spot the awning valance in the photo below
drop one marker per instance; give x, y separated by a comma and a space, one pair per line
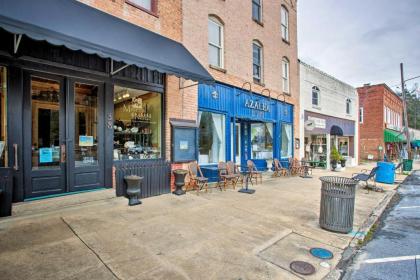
81, 27
336, 130
391, 136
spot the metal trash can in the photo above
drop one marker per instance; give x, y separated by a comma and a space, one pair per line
337, 203
385, 173
407, 164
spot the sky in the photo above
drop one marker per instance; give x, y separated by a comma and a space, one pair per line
361, 41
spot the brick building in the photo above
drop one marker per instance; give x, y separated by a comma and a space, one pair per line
380, 122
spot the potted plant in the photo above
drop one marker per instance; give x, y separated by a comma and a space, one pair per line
342, 161
334, 157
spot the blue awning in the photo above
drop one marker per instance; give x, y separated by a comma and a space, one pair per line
81, 27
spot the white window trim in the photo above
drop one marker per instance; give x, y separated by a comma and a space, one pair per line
349, 102
221, 47
261, 61
285, 24
361, 115
285, 79
315, 88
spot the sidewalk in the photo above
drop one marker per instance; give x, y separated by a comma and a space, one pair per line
216, 235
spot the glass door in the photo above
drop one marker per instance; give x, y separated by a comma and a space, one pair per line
44, 130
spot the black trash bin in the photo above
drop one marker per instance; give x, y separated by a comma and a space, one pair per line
337, 203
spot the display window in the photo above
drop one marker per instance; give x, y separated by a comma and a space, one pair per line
262, 140
343, 146
211, 137
3, 116
316, 148
138, 124
286, 141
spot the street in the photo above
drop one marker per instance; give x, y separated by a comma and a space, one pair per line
394, 251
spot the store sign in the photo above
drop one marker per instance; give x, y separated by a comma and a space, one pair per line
256, 105
85, 141
319, 123
45, 155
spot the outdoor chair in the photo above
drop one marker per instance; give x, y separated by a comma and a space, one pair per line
234, 170
254, 174
366, 175
306, 168
399, 167
295, 167
225, 176
279, 170
197, 180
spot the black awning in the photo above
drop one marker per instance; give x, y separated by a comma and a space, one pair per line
80, 27
336, 130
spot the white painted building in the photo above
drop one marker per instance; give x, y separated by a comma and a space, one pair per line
329, 112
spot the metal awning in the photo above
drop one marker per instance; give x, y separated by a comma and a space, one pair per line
391, 136
81, 27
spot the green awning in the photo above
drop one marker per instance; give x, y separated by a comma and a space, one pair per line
415, 143
391, 136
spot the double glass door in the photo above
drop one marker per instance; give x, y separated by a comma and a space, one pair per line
63, 132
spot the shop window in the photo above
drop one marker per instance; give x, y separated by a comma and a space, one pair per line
284, 23
211, 138
315, 96
343, 146
215, 42
257, 10
257, 61
262, 140
3, 116
285, 73
138, 124
286, 141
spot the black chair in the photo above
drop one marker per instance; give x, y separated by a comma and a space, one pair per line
365, 176
399, 167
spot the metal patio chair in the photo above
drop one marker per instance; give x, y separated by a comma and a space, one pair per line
366, 176
197, 180
253, 172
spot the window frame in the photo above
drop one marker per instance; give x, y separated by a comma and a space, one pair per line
259, 4
285, 78
223, 138
259, 79
348, 106
284, 25
361, 115
316, 90
153, 4
220, 48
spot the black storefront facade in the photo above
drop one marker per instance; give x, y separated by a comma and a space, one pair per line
82, 103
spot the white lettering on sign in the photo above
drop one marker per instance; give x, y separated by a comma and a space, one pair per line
256, 105
319, 123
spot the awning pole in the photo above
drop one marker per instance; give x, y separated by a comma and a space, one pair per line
17, 38
113, 72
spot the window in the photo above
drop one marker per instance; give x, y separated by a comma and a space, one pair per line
286, 141
285, 72
262, 140
138, 124
284, 23
148, 5
348, 106
257, 10
211, 138
257, 61
361, 115
3, 116
215, 42
343, 146
315, 96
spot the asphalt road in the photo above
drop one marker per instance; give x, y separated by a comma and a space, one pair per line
394, 251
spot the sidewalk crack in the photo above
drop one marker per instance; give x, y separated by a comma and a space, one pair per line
90, 248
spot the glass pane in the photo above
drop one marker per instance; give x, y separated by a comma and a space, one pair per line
262, 140
45, 123
286, 140
138, 124
214, 33
147, 4
256, 54
214, 56
256, 10
3, 116
86, 125
212, 141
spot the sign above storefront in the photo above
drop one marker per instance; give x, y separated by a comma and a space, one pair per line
256, 105
318, 122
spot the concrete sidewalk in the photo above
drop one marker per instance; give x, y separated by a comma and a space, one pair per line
216, 235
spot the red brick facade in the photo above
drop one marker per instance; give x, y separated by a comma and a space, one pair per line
373, 99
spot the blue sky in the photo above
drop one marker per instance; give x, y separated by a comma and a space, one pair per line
361, 41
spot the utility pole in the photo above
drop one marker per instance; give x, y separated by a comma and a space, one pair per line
407, 132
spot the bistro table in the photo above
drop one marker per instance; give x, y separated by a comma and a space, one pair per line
247, 176
306, 167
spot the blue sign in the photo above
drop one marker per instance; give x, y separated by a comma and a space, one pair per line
45, 155
85, 141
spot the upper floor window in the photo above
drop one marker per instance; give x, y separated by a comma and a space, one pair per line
215, 42
257, 62
361, 115
284, 23
257, 10
315, 96
285, 73
348, 106
148, 5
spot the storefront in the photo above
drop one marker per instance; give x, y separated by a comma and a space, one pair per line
237, 125
324, 132
80, 103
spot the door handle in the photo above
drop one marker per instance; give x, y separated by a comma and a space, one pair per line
16, 163
63, 153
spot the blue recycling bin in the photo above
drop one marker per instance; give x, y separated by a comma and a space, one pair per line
385, 173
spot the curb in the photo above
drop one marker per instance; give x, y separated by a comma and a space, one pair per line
352, 249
